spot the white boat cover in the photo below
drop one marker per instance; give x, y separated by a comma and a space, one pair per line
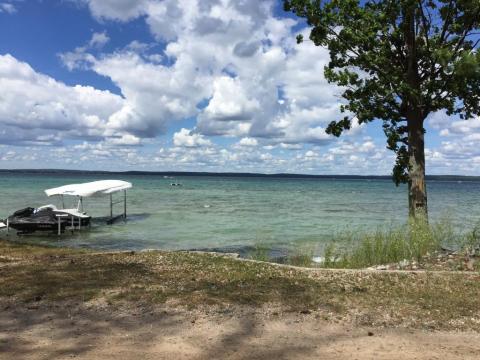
94, 188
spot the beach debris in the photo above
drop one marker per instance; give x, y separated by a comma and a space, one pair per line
379, 267
470, 265
454, 261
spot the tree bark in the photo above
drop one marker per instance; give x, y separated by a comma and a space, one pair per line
417, 189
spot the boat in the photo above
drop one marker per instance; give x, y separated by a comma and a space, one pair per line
175, 182
53, 219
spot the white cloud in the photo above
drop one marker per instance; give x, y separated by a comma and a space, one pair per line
36, 108
291, 146
122, 10
248, 141
155, 95
98, 40
230, 102
80, 58
187, 138
234, 56
124, 140
233, 66
7, 8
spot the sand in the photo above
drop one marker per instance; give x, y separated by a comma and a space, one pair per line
66, 331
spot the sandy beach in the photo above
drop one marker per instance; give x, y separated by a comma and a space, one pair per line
71, 331
65, 331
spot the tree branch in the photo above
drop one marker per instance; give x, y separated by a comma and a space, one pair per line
446, 24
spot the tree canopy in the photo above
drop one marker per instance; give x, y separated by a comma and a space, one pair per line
398, 61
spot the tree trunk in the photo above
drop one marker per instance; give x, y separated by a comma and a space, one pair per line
417, 190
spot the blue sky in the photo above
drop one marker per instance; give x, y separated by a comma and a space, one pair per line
211, 85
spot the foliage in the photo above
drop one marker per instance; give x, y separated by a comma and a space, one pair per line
303, 259
471, 242
260, 253
384, 246
411, 241
398, 61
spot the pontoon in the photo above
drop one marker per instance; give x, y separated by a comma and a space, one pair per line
53, 219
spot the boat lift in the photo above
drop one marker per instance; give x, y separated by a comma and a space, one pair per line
75, 217
92, 189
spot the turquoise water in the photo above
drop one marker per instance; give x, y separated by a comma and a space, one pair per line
216, 212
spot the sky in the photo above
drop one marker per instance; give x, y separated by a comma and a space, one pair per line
185, 85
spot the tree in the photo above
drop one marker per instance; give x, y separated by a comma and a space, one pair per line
399, 61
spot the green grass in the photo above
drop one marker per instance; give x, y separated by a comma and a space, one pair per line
302, 257
260, 253
412, 241
434, 300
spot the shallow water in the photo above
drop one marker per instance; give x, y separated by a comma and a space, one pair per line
218, 212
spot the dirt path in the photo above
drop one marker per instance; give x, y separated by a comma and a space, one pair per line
65, 332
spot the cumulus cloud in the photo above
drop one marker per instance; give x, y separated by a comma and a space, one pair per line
236, 57
36, 108
122, 10
124, 140
98, 40
230, 102
231, 66
187, 138
154, 95
248, 141
79, 58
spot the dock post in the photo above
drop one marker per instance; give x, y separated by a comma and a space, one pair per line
8, 226
111, 207
125, 204
59, 218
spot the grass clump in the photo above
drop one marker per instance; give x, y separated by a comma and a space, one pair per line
299, 257
471, 242
384, 246
303, 259
260, 253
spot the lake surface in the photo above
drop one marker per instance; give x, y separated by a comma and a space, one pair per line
218, 212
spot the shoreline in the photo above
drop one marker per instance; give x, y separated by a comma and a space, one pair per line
155, 304
430, 263
193, 278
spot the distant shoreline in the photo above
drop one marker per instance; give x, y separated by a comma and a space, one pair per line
229, 174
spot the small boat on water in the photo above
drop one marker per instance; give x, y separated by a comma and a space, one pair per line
175, 182
54, 219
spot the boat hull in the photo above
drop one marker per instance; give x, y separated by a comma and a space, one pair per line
27, 221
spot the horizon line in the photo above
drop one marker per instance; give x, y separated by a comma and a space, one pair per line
225, 173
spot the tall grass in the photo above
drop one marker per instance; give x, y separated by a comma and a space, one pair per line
471, 242
260, 253
409, 242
